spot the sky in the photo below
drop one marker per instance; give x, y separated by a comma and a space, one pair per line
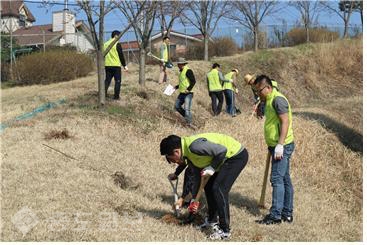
115, 19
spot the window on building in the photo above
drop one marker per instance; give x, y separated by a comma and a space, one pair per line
22, 20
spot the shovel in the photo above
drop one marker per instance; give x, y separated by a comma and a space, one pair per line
175, 194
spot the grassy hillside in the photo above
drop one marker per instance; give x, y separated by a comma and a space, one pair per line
111, 185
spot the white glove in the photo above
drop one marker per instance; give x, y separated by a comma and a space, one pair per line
278, 152
162, 60
236, 90
230, 80
125, 68
207, 171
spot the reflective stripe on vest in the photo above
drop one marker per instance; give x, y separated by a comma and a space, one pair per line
272, 121
227, 77
214, 82
183, 80
232, 145
164, 52
112, 57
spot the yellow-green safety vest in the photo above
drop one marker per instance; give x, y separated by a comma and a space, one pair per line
274, 84
272, 121
214, 82
164, 52
184, 82
228, 76
232, 145
112, 57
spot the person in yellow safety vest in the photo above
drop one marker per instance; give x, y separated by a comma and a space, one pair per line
258, 107
215, 81
114, 59
229, 90
164, 55
280, 140
209, 154
186, 83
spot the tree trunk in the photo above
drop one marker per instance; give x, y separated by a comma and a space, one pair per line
142, 67
345, 34
101, 85
307, 34
206, 47
361, 12
256, 40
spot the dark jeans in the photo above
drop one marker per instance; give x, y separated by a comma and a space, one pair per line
218, 187
217, 101
229, 96
282, 203
186, 100
113, 72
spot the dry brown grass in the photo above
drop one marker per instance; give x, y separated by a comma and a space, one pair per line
119, 147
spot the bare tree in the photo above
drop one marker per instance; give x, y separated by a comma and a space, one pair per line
143, 28
168, 12
95, 15
250, 14
309, 13
343, 9
206, 15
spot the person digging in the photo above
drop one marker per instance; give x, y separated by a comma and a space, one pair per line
221, 158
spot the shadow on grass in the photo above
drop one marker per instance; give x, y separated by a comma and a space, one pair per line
240, 201
153, 213
349, 137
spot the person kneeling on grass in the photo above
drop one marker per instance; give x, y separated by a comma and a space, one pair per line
217, 155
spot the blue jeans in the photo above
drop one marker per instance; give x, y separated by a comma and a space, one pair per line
186, 100
282, 203
229, 96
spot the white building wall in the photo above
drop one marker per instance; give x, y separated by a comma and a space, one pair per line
6, 22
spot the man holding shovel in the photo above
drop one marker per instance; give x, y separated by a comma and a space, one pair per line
279, 138
216, 158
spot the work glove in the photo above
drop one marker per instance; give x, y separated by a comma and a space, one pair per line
194, 206
278, 152
163, 60
207, 171
176, 87
236, 90
172, 176
125, 68
231, 80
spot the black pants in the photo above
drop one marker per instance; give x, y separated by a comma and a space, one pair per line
217, 101
218, 187
113, 72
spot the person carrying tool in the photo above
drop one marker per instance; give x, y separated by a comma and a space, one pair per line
215, 82
186, 83
164, 55
280, 140
113, 61
218, 156
229, 90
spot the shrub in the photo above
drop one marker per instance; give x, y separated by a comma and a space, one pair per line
222, 46
195, 51
298, 35
52, 66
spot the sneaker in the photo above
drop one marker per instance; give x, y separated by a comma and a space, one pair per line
269, 220
288, 219
206, 224
219, 234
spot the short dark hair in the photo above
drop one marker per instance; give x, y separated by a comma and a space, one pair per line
115, 33
165, 37
169, 144
261, 78
215, 65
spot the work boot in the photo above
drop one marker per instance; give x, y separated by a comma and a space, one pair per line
219, 234
269, 220
206, 224
288, 219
